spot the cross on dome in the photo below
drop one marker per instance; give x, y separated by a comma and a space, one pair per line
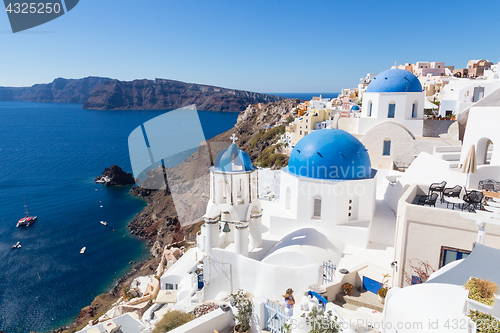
234, 138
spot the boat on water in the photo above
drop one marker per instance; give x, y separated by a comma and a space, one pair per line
82, 251
104, 223
28, 219
17, 245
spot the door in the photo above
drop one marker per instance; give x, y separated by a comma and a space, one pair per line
371, 285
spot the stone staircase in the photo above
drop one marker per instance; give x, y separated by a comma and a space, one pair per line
359, 299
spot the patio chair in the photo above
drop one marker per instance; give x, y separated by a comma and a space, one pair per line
428, 200
437, 187
473, 200
453, 192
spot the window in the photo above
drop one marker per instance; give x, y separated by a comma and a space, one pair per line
387, 148
170, 286
414, 110
305, 133
392, 110
300, 132
450, 254
478, 94
317, 208
221, 191
416, 279
239, 193
370, 108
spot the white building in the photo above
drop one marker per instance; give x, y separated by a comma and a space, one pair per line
328, 184
318, 103
394, 95
460, 94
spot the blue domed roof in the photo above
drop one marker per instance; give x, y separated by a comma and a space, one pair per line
355, 108
233, 159
395, 80
330, 154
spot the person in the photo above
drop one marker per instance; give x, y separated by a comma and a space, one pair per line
289, 301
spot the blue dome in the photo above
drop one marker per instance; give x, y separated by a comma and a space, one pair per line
355, 108
330, 154
233, 159
395, 80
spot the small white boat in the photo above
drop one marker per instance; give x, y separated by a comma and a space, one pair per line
101, 206
82, 251
16, 246
104, 223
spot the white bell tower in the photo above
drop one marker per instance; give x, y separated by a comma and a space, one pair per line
233, 212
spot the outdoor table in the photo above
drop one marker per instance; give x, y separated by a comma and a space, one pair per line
454, 201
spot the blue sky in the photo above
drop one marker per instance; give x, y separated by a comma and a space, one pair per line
264, 46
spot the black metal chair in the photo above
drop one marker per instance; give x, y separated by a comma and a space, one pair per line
428, 200
473, 200
437, 187
453, 192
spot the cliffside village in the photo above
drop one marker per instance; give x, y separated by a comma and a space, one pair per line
389, 205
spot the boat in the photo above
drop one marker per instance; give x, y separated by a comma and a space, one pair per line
28, 219
82, 251
104, 223
17, 245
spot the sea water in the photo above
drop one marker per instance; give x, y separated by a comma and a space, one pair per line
50, 154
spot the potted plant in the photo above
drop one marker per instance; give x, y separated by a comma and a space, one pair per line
244, 306
347, 287
481, 291
382, 292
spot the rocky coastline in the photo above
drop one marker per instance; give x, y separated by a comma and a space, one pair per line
158, 223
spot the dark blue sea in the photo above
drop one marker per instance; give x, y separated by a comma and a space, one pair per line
306, 96
50, 154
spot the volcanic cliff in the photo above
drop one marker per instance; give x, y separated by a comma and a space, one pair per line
161, 94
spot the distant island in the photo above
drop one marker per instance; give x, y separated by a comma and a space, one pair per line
58, 91
99, 93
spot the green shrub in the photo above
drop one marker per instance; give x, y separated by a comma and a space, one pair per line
269, 159
171, 320
482, 291
266, 136
485, 323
